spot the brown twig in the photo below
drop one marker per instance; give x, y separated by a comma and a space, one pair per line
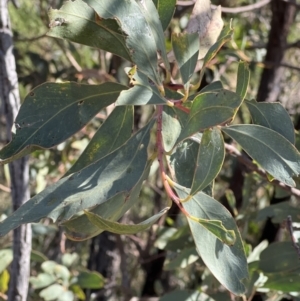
289, 225
231, 10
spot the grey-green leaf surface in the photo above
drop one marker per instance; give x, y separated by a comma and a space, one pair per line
166, 9
186, 50
279, 257
186, 295
269, 115
151, 14
139, 40
115, 131
173, 120
210, 158
78, 22
210, 109
80, 228
6, 257
144, 92
279, 212
227, 263
184, 160
115, 227
115, 173
243, 78
271, 150
52, 292
53, 112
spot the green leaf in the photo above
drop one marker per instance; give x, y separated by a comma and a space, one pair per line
225, 36
166, 9
140, 39
42, 280
279, 212
227, 263
183, 259
183, 161
115, 131
210, 109
53, 112
78, 22
272, 151
279, 257
6, 257
78, 292
69, 259
210, 158
173, 120
186, 295
284, 282
52, 292
243, 78
89, 280
151, 14
53, 268
268, 115
66, 296
214, 86
186, 50
142, 93
117, 172
80, 228
114, 227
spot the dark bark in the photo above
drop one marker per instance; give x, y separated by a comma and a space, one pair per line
10, 103
283, 15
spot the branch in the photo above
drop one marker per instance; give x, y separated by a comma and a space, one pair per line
231, 10
250, 165
289, 225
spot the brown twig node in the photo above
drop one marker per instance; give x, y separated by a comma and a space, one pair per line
289, 225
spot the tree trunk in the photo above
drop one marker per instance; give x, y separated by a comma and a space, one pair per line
19, 171
283, 15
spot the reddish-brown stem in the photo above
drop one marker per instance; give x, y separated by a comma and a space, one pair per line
160, 157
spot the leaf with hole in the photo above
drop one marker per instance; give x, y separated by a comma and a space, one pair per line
79, 23
53, 112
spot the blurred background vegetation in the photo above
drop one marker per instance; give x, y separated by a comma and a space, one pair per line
158, 261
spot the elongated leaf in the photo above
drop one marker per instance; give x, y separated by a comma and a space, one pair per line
6, 257
142, 93
243, 78
272, 151
53, 112
91, 280
225, 36
80, 228
210, 158
140, 39
79, 23
269, 114
173, 120
151, 14
284, 282
166, 9
115, 131
227, 263
114, 227
210, 109
118, 172
186, 49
